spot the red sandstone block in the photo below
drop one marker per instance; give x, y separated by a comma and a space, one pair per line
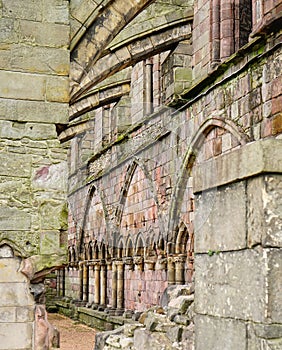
277, 124
276, 88
268, 6
277, 105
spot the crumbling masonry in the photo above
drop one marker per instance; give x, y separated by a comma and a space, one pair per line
141, 159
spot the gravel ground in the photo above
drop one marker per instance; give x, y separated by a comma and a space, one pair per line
73, 336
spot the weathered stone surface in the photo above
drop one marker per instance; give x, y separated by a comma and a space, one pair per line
13, 219
274, 261
250, 160
174, 334
44, 34
262, 335
181, 303
49, 60
6, 252
226, 282
8, 271
22, 340
172, 292
33, 111
221, 218
264, 211
144, 339
219, 333
15, 165
22, 86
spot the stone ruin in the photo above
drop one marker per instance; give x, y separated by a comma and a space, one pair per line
140, 144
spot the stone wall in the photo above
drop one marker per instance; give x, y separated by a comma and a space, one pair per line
34, 68
175, 128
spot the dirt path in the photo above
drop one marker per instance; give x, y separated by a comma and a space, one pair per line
73, 336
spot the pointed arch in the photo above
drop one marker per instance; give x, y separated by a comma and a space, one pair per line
95, 250
120, 248
17, 251
92, 191
129, 247
139, 245
189, 160
130, 171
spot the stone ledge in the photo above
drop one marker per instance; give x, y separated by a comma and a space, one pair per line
255, 158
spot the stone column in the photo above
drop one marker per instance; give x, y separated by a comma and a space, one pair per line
61, 282
179, 262
149, 86
215, 32
120, 285
58, 283
170, 270
226, 28
103, 283
139, 262
97, 267
80, 276
85, 272
114, 285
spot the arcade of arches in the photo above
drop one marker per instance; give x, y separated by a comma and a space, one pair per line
140, 143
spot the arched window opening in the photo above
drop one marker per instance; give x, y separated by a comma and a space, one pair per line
140, 247
129, 248
120, 250
96, 251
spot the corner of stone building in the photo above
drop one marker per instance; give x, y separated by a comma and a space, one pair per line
34, 94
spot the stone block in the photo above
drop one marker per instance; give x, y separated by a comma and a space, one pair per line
221, 219
174, 334
81, 10
274, 260
15, 294
226, 282
14, 9
7, 31
50, 242
56, 11
22, 86
182, 320
174, 291
50, 177
250, 160
262, 336
144, 339
14, 336
264, 210
7, 314
44, 34
57, 89
14, 219
216, 333
33, 111
9, 271
33, 131
25, 314
49, 60
50, 215
181, 303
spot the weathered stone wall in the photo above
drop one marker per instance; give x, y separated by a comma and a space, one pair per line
34, 68
145, 177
